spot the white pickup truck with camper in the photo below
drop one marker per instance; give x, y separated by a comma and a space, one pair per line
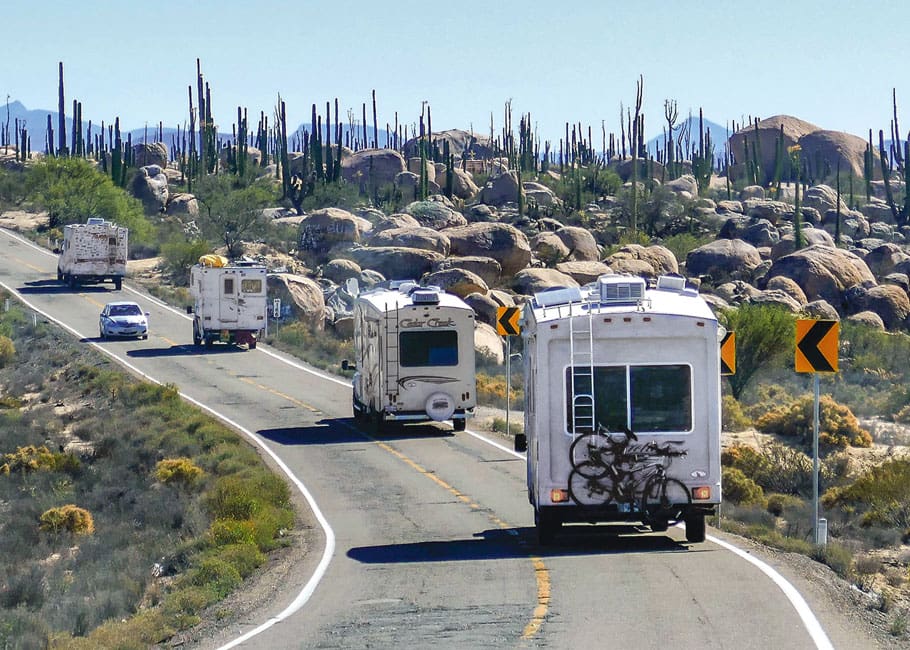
622, 405
414, 356
92, 252
230, 302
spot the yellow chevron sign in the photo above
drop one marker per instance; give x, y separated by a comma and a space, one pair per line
816, 345
728, 354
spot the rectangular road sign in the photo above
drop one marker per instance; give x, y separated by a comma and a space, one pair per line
816, 345
507, 321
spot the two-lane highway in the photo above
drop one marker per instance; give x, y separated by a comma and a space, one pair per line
430, 539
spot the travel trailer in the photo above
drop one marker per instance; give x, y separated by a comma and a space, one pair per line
414, 356
622, 405
92, 253
230, 303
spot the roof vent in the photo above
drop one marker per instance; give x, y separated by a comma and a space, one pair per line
95, 221
621, 288
402, 285
557, 296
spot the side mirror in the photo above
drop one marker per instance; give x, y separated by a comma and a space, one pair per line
345, 364
521, 442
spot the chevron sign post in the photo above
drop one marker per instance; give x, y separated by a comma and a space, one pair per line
816, 351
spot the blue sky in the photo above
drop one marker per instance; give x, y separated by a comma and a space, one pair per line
832, 62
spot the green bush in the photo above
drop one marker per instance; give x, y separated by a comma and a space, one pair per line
180, 255
836, 556
734, 418
7, 351
224, 532
246, 558
776, 467
217, 575
739, 488
881, 495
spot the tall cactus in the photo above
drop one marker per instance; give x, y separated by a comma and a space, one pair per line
61, 116
901, 213
633, 217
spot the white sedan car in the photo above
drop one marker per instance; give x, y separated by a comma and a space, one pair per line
123, 318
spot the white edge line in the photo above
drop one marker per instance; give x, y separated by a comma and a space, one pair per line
310, 587
813, 627
799, 604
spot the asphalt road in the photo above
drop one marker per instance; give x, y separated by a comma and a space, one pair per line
430, 533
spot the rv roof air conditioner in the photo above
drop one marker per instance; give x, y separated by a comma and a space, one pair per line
621, 289
557, 296
425, 296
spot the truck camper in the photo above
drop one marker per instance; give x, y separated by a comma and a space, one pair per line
229, 301
92, 252
622, 405
414, 356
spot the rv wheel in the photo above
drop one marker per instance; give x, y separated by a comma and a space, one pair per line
695, 527
197, 339
459, 424
547, 526
118, 284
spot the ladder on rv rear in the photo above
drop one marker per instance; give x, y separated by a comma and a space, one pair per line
581, 354
391, 351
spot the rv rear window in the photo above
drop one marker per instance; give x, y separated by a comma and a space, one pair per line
428, 348
647, 399
251, 285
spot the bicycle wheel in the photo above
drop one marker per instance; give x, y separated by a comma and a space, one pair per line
591, 455
586, 490
663, 495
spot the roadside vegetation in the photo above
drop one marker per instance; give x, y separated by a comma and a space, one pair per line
126, 512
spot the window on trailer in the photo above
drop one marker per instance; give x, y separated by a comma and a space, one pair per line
251, 286
646, 398
428, 348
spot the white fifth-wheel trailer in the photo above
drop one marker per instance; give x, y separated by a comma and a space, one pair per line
414, 356
622, 405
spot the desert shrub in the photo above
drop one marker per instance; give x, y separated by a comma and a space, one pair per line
881, 494
776, 504
776, 467
30, 459
180, 255
322, 349
7, 351
734, 417
224, 532
838, 427
68, 518
180, 471
246, 558
215, 574
837, 556
499, 425
739, 488
20, 628
491, 390
270, 524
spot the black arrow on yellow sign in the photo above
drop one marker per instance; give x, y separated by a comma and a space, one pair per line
816, 345
728, 354
507, 321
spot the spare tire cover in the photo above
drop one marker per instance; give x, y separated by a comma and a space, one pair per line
440, 406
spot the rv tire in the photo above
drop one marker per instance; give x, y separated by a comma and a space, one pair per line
547, 526
695, 527
118, 283
459, 424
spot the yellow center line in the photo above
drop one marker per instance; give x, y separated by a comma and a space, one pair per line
268, 389
541, 574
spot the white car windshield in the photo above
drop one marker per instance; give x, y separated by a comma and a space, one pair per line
125, 310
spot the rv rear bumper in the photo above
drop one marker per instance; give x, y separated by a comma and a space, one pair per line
421, 416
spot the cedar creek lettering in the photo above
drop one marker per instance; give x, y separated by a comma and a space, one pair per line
430, 322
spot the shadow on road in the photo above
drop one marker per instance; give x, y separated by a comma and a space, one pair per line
497, 544
53, 286
187, 350
343, 430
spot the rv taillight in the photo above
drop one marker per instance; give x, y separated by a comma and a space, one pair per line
701, 493
559, 496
